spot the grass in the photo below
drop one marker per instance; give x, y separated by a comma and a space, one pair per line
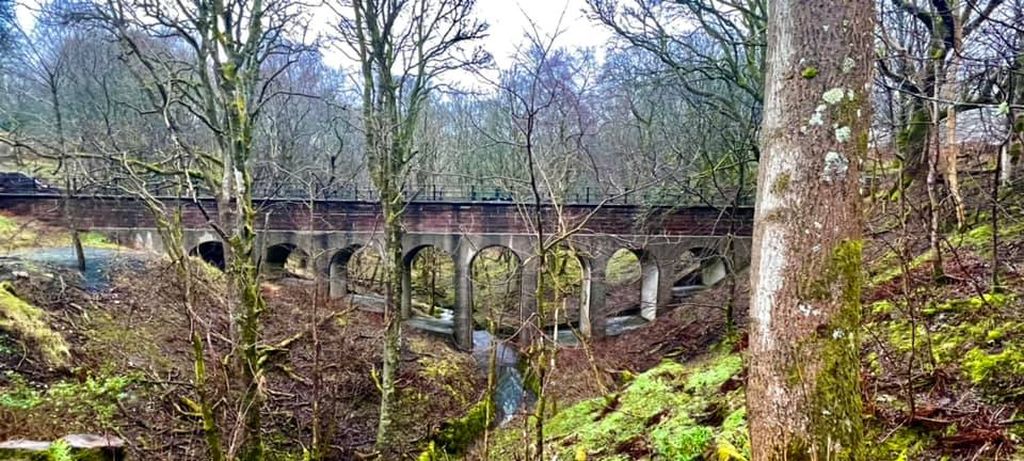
29, 323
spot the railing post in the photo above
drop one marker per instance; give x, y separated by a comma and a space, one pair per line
588, 195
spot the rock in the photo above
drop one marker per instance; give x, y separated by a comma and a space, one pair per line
27, 445
93, 441
83, 447
24, 450
95, 447
20, 274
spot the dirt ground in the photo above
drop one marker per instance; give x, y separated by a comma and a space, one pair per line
133, 341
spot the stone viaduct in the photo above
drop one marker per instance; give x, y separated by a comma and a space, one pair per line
329, 232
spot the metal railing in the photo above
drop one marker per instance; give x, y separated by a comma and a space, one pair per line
459, 193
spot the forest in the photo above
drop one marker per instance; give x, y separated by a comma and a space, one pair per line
721, 230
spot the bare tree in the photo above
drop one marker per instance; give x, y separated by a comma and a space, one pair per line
403, 48
206, 70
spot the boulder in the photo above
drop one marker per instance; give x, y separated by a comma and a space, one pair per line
93, 447
82, 447
24, 450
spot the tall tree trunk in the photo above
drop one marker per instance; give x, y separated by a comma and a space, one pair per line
393, 267
952, 151
803, 392
932, 184
69, 180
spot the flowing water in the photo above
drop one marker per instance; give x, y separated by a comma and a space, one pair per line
509, 393
99, 262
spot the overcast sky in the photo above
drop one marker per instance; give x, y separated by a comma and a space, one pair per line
508, 21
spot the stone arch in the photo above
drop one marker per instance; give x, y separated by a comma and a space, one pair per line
623, 275
337, 270
495, 282
713, 267
569, 272
409, 260
285, 257
211, 251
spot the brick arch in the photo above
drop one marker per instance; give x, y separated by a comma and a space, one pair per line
211, 251
277, 255
337, 267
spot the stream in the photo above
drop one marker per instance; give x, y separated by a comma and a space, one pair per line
99, 262
509, 393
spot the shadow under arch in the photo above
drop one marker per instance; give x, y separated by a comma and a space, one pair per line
285, 257
212, 252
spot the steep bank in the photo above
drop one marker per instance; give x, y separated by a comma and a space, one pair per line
127, 368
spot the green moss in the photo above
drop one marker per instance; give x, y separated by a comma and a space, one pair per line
715, 375
835, 404
979, 238
669, 410
883, 307
905, 443
457, 435
895, 270
809, 72
967, 305
914, 134
781, 184
30, 323
681, 440
1001, 371
733, 441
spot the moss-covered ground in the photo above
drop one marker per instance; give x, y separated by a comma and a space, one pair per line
671, 411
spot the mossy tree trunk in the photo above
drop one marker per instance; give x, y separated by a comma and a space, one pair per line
228, 48
803, 393
401, 48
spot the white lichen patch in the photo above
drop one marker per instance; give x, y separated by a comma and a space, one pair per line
843, 134
833, 96
807, 310
838, 334
848, 65
818, 117
836, 166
